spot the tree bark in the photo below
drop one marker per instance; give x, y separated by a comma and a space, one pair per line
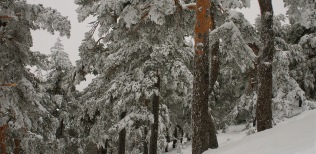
59, 131
122, 136
200, 115
264, 110
168, 139
104, 149
2, 138
214, 65
145, 143
17, 146
213, 144
154, 126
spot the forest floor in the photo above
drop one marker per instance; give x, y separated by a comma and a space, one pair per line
296, 135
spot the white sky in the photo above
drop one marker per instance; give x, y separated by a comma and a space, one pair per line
43, 41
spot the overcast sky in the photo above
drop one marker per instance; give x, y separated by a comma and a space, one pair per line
43, 41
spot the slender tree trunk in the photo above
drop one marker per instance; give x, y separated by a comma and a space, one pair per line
213, 77
2, 138
214, 65
17, 146
154, 126
145, 143
122, 136
175, 135
264, 110
168, 139
213, 143
59, 131
104, 149
200, 116
180, 133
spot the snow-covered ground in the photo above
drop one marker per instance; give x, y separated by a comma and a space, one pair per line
292, 136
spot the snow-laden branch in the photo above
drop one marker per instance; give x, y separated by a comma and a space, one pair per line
189, 6
233, 45
129, 120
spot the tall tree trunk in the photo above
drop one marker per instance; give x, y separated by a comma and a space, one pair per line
154, 126
122, 136
213, 77
264, 110
145, 143
200, 115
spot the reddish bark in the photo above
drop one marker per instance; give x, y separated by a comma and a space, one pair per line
17, 145
200, 115
2, 138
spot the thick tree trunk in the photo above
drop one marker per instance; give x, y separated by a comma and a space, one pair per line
200, 115
264, 110
122, 136
154, 126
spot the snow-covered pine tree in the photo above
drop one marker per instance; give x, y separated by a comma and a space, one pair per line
146, 37
294, 77
26, 124
235, 33
59, 68
290, 74
62, 94
302, 31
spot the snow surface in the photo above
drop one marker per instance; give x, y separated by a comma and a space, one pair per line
292, 136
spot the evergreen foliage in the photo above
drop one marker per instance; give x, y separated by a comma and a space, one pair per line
25, 114
143, 60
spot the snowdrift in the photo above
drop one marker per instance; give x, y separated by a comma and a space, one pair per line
292, 136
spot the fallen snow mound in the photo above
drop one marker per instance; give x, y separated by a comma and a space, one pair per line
296, 135
293, 136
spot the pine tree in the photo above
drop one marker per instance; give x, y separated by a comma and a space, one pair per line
302, 32
22, 108
233, 41
139, 44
